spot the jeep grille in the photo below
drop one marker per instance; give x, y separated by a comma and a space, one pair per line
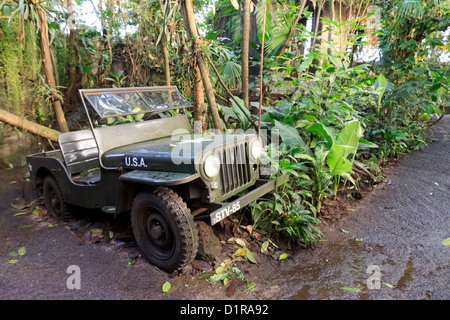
235, 167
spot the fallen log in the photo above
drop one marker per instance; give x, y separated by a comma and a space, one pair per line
30, 126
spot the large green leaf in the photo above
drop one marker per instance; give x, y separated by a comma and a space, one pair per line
382, 84
323, 130
263, 8
281, 31
346, 143
305, 64
350, 135
291, 137
336, 161
320, 152
243, 119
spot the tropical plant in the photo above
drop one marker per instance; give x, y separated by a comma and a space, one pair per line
287, 214
235, 117
411, 43
338, 157
407, 27
327, 154
228, 65
117, 79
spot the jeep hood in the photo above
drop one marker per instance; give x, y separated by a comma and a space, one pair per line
179, 153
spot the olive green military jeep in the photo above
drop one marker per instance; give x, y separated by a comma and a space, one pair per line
141, 156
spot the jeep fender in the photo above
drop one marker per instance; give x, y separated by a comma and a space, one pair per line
132, 182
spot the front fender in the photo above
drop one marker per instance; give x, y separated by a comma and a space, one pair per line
133, 182
158, 178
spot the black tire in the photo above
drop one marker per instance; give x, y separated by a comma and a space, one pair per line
54, 200
164, 229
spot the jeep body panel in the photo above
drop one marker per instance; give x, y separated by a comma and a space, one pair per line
101, 193
177, 153
151, 155
131, 134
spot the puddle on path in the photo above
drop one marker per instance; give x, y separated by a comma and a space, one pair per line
349, 269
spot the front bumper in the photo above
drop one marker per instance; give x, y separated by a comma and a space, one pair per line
228, 208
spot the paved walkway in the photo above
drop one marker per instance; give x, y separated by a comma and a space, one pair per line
393, 248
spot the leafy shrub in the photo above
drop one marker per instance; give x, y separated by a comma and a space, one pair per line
287, 216
336, 115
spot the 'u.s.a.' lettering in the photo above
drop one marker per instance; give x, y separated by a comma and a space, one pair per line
135, 162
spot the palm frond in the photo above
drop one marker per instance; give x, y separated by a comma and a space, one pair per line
231, 73
280, 32
261, 7
411, 8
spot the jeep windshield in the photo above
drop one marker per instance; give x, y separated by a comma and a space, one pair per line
146, 101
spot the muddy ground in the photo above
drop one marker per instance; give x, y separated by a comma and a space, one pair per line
387, 245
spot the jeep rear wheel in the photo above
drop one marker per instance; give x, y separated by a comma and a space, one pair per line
164, 229
54, 200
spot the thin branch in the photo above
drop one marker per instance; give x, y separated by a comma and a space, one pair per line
261, 93
244, 110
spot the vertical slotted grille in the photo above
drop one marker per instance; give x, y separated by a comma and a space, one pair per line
235, 167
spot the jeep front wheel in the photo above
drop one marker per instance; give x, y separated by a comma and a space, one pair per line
164, 229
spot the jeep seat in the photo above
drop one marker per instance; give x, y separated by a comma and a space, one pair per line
80, 154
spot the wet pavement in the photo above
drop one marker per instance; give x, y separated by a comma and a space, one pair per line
388, 247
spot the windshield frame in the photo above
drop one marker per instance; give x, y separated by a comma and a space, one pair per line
87, 94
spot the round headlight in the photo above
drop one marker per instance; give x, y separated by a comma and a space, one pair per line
211, 166
256, 148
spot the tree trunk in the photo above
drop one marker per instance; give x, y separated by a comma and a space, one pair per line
209, 92
245, 52
166, 62
190, 23
316, 21
32, 127
72, 98
261, 87
70, 16
165, 45
199, 89
48, 69
199, 102
21, 30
